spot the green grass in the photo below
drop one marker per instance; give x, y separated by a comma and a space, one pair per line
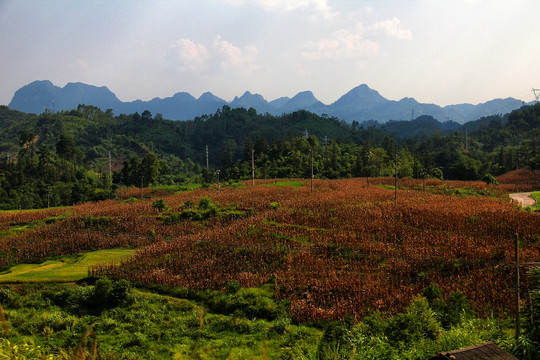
293, 183
14, 230
177, 188
147, 325
242, 323
31, 210
536, 207
63, 269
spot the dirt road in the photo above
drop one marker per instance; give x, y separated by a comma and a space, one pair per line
524, 199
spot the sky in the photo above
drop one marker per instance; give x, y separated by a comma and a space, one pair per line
436, 51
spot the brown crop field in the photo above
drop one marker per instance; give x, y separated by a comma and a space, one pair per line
343, 249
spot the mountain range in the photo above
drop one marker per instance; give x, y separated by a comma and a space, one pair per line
361, 104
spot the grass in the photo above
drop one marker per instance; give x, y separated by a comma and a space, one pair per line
177, 188
63, 269
14, 230
242, 323
294, 183
147, 325
536, 207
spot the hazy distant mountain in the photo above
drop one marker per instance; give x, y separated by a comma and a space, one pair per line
249, 100
361, 103
302, 100
40, 95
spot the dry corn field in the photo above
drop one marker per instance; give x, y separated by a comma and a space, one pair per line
343, 249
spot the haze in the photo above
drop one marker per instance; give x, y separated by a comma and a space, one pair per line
443, 52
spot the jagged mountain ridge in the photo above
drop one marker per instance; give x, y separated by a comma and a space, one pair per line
361, 104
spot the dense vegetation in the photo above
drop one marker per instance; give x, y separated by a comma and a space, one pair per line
348, 269
74, 322
274, 270
148, 150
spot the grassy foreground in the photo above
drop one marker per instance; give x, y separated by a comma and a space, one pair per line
111, 320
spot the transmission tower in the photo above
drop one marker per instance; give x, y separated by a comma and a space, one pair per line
536, 93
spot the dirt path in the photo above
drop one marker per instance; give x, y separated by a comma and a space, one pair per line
524, 199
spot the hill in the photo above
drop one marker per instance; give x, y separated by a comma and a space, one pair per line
359, 104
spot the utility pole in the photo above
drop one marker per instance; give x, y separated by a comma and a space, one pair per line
518, 326
207, 167
252, 167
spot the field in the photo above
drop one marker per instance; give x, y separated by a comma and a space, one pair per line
67, 268
343, 250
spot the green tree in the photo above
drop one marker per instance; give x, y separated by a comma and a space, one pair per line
66, 148
150, 168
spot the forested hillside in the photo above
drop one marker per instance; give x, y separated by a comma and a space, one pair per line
63, 158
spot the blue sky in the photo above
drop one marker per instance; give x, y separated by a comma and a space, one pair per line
443, 52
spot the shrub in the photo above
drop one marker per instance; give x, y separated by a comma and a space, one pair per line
205, 203
419, 322
251, 302
449, 312
105, 294
159, 205
489, 179
437, 173
233, 287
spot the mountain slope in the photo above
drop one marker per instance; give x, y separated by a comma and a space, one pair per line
361, 104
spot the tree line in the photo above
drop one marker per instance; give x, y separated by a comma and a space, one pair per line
63, 158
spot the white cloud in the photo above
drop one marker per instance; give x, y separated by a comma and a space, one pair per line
391, 28
189, 56
291, 5
316, 6
343, 44
232, 56
83, 65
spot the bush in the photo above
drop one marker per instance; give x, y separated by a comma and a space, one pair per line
274, 205
419, 322
251, 302
105, 294
449, 312
437, 173
159, 205
489, 179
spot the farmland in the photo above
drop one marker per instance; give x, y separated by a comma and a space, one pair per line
343, 251
334, 252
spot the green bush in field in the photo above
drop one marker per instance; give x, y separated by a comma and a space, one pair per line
159, 205
490, 179
105, 294
250, 302
418, 323
451, 311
